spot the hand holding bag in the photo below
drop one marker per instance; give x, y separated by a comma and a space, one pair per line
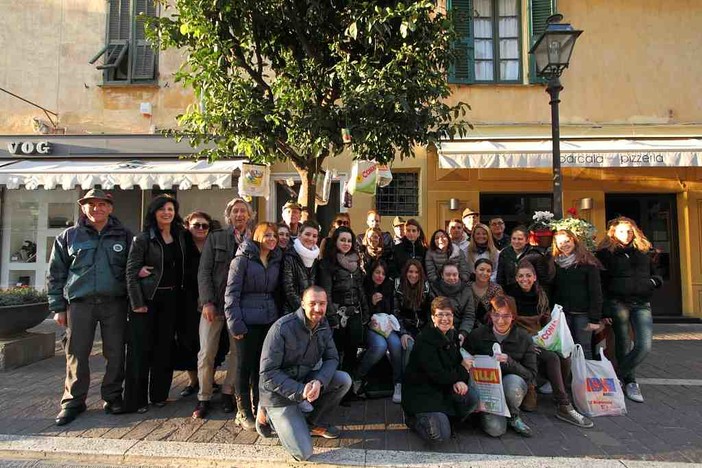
486, 376
596, 388
555, 336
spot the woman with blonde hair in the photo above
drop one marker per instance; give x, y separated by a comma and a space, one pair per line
373, 250
628, 281
482, 246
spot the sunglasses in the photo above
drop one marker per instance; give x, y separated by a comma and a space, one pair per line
200, 225
342, 223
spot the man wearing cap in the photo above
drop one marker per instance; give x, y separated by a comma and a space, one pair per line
87, 286
470, 219
398, 225
291, 214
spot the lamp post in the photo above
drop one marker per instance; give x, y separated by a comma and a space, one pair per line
552, 51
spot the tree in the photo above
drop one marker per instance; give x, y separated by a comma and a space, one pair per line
280, 79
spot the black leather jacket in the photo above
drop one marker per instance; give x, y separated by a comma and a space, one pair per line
295, 278
344, 288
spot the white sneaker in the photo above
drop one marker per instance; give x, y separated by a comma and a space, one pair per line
397, 394
546, 389
633, 392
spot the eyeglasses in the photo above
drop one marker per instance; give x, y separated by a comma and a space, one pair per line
496, 223
443, 315
501, 317
200, 226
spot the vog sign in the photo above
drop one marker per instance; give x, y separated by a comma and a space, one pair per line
30, 147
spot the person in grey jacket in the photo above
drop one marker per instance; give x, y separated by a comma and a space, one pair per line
86, 286
299, 362
250, 308
217, 255
155, 279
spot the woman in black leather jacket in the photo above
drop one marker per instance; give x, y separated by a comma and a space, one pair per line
340, 274
300, 264
155, 277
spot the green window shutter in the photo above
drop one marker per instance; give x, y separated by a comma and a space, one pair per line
463, 68
119, 21
539, 11
144, 55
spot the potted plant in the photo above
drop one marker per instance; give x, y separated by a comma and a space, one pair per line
21, 308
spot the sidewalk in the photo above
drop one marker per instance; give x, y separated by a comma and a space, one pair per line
665, 428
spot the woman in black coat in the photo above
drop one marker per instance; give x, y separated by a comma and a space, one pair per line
341, 276
412, 246
156, 273
628, 282
300, 263
436, 382
517, 362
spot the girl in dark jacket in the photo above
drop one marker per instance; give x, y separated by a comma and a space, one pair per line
412, 246
374, 250
517, 362
300, 266
436, 382
379, 291
341, 276
628, 281
250, 309
412, 299
156, 272
450, 286
534, 313
577, 288
441, 250
510, 256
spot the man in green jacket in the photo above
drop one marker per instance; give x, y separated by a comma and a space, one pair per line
87, 286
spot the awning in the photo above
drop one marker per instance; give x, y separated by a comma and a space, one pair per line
576, 152
183, 174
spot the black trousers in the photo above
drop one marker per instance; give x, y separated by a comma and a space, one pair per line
150, 351
247, 363
347, 340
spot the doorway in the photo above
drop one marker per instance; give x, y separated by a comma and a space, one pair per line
657, 217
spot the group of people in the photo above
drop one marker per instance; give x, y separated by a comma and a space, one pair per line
299, 322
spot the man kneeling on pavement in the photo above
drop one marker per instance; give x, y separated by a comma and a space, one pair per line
300, 383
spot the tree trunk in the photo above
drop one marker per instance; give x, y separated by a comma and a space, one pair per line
308, 188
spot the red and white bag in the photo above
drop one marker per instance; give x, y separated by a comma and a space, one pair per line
596, 388
486, 375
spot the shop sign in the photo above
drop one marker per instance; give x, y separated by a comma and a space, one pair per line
30, 147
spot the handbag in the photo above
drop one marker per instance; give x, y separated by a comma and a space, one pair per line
596, 388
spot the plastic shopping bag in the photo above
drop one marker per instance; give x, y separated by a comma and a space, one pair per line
555, 336
384, 324
254, 180
486, 375
596, 388
363, 177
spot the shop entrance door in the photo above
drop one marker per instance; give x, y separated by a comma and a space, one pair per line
657, 217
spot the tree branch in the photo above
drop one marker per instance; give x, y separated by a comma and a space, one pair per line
257, 77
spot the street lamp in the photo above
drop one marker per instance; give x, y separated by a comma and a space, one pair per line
552, 52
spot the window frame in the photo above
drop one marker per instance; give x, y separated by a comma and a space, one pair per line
495, 20
129, 53
380, 206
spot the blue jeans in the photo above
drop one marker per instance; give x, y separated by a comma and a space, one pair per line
577, 324
639, 314
435, 427
377, 345
515, 389
293, 427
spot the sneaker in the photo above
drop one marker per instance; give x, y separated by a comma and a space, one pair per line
228, 403
519, 426
568, 414
356, 386
546, 389
530, 402
305, 406
201, 410
246, 420
328, 432
633, 392
189, 390
264, 430
397, 394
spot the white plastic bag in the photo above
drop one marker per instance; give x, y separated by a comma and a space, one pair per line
486, 375
254, 181
384, 324
363, 177
596, 388
555, 336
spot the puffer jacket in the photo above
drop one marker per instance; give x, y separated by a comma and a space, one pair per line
518, 345
344, 288
434, 366
250, 295
411, 320
217, 254
290, 353
295, 277
87, 263
407, 250
628, 274
461, 296
436, 259
147, 250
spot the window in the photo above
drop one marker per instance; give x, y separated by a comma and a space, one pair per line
401, 197
127, 56
489, 46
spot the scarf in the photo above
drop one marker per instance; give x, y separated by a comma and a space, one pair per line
308, 256
480, 249
241, 236
450, 290
348, 262
566, 261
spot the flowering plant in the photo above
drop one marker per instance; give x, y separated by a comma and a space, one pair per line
585, 231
